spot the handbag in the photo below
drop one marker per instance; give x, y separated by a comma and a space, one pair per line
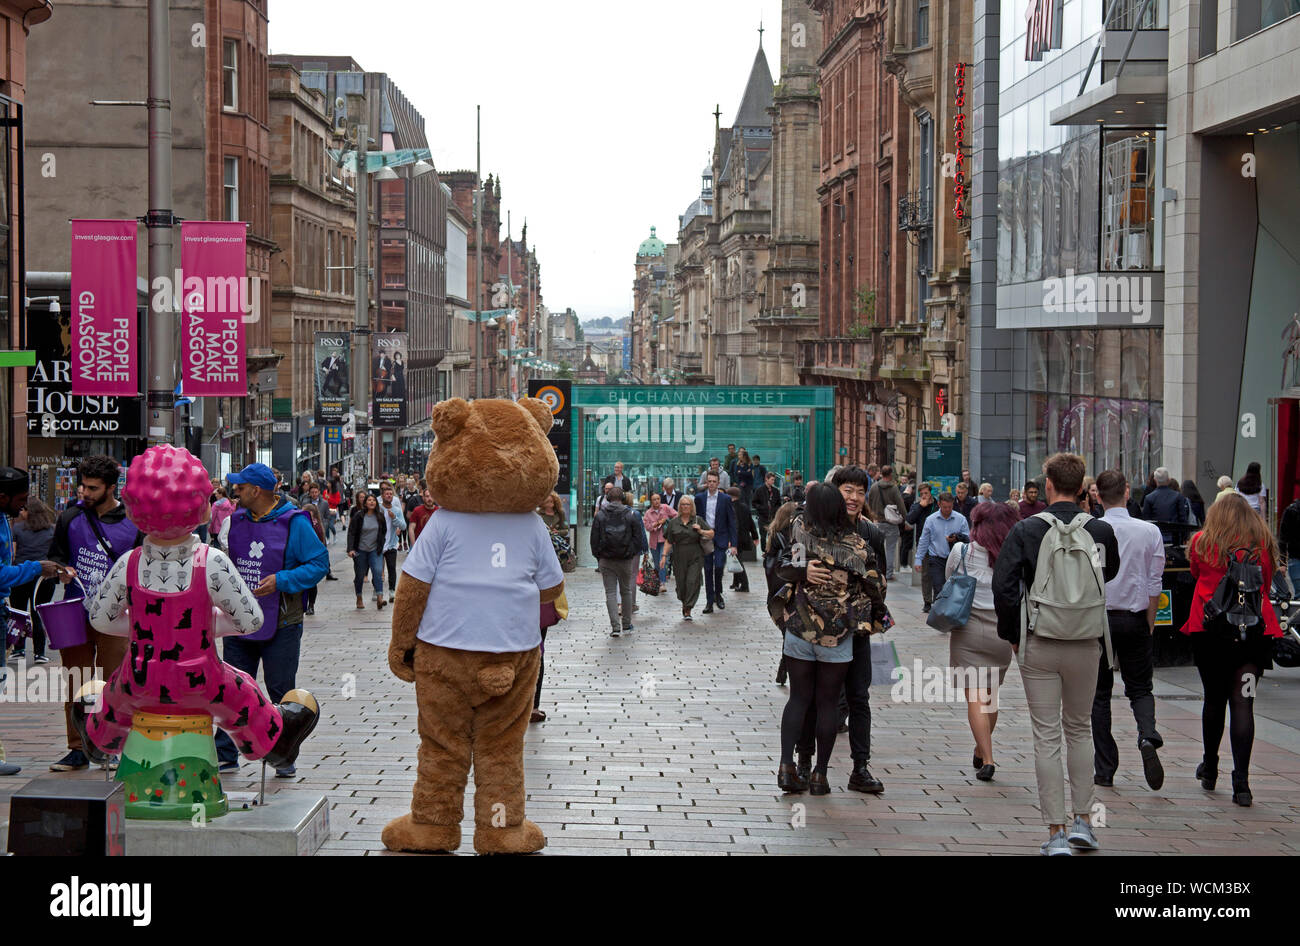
951, 609
892, 515
733, 564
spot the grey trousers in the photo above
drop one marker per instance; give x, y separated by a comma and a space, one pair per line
891, 534
619, 576
1060, 679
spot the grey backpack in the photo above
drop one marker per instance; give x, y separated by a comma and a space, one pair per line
1067, 600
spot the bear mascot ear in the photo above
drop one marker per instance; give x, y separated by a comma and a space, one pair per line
449, 417
541, 413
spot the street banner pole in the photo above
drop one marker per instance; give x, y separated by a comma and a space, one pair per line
162, 334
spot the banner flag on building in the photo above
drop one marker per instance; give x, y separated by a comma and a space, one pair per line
104, 318
388, 359
214, 300
333, 397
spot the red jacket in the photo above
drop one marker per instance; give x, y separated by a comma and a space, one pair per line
1208, 575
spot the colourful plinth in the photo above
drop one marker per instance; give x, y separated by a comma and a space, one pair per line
169, 769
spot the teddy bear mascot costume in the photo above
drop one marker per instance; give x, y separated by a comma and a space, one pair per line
465, 623
172, 598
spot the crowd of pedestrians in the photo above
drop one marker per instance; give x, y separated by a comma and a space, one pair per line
1064, 578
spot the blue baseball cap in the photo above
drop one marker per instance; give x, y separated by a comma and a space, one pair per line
255, 474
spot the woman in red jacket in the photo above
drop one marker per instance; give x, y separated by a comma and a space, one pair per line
1230, 667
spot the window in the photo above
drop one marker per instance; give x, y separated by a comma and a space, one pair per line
922, 23
230, 75
1128, 200
925, 246
230, 208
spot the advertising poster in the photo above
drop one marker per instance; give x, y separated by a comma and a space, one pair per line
558, 396
388, 358
104, 326
214, 299
333, 394
53, 410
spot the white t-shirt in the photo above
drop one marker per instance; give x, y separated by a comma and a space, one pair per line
977, 566
485, 571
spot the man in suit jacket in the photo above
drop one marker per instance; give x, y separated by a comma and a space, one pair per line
618, 479
714, 506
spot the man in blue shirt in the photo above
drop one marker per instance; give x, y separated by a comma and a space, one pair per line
941, 531
716, 509
276, 550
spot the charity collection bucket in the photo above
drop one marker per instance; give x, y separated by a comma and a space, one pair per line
65, 621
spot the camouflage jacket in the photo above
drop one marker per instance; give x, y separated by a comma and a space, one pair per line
853, 601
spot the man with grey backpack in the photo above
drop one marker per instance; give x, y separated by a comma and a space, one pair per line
1049, 591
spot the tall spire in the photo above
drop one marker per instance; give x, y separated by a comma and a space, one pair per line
758, 95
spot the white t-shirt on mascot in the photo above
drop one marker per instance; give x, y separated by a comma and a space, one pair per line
484, 571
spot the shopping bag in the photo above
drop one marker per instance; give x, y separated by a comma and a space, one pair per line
884, 659
733, 564
647, 578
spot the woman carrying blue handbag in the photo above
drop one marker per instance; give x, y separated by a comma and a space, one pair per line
977, 657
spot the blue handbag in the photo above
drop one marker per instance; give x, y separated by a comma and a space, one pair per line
951, 609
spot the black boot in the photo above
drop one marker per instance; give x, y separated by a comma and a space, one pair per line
863, 781
818, 784
1208, 774
299, 714
788, 779
1241, 789
804, 768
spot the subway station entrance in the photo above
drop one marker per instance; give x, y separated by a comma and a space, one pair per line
661, 430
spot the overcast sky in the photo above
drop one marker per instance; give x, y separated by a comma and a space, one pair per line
597, 114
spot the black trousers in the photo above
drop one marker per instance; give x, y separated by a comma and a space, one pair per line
1130, 636
390, 559
855, 702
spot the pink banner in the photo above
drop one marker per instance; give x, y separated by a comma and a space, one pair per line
104, 323
214, 299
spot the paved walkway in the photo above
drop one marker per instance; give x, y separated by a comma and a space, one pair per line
665, 742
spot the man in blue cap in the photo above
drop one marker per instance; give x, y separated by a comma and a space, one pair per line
277, 552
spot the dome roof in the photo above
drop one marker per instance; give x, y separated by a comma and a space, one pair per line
651, 245
698, 206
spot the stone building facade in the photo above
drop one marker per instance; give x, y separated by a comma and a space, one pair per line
864, 276
789, 312
742, 224
923, 361
313, 223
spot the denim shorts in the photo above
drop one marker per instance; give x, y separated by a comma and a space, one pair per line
801, 649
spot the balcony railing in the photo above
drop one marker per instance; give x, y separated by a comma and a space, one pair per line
914, 213
841, 357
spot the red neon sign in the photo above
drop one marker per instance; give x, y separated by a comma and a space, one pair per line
959, 141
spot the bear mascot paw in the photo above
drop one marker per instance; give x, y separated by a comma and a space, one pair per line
466, 624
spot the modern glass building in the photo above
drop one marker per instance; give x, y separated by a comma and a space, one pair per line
1074, 295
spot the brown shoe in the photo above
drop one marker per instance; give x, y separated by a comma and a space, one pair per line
379, 603
361, 603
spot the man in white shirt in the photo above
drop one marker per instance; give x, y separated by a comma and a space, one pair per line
1132, 599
